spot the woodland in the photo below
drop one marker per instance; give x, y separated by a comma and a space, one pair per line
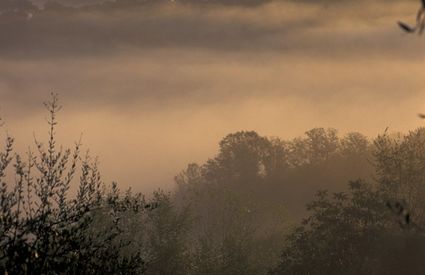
316, 204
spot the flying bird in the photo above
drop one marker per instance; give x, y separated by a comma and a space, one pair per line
406, 27
420, 21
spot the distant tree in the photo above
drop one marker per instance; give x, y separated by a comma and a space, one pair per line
354, 144
166, 237
231, 221
239, 199
243, 156
400, 169
223, 238
321, 144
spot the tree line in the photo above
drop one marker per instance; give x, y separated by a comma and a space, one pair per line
316, 204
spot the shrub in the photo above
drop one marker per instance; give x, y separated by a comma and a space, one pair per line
45, 231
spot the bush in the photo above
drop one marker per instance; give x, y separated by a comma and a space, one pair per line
43, 230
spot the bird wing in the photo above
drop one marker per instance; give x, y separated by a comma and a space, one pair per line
406, 27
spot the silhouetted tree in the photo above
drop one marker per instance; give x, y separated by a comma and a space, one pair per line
372, 229
352, 233
43, 230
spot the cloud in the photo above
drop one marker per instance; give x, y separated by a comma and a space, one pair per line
171, 54
293, 28
126, 3
157, 86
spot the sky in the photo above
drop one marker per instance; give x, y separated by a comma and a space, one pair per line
154, 87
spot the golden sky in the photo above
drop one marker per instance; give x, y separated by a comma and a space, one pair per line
155, 88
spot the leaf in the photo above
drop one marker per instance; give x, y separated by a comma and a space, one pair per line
405, 27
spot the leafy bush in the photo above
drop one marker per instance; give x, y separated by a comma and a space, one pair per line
43, 230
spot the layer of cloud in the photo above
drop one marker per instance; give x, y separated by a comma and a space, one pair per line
154, 88
349, 29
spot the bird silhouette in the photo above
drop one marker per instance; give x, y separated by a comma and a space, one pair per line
420, 21
406, 27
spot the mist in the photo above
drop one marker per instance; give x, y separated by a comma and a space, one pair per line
212, 137
159, 85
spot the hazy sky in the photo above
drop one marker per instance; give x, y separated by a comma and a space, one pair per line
154, 88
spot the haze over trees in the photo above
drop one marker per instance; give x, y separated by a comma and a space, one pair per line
238, 213
319, 203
